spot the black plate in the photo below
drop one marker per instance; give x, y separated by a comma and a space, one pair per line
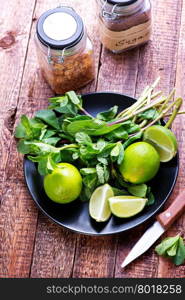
75, 216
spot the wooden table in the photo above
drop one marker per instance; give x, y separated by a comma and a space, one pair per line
31, 245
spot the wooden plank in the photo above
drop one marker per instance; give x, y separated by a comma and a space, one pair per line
54, 251
95, 257
157, 58
166, 268
15, 29
53, 246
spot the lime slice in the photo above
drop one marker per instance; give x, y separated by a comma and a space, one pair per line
164, 141
99, 208
126, 206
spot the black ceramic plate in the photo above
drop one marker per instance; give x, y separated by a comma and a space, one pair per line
75, 216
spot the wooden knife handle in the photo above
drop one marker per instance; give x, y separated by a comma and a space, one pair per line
168, 217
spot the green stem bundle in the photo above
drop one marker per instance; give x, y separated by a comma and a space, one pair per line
148, 100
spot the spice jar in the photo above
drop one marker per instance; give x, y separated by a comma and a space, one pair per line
65, 52
124, 24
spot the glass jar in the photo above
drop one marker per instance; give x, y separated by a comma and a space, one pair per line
65, 52
124, 24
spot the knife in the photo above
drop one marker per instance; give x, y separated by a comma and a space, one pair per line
164, 221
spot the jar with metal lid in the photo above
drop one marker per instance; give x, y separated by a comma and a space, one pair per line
65, 52
124, 24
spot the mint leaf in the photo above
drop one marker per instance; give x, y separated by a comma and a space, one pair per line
51, 141
139, 190
166, 244
117, 134
132, 139
36, 147
23, 148
172, 250
82, 138
87, 126
90, 183
101, 143
119, 192
87, 171
46, 163
117, 153
150, 196
121, 154
49, 117
179, 258
29, 128
100, 173
63, 100
108, 115
150, 114
172, 247
73, 97
103, 160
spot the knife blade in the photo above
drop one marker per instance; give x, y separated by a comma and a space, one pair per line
164, 221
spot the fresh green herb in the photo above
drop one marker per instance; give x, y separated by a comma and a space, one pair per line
174, 248
49, 117
108, 115
66, 132
150, 197
119, 192
139, 190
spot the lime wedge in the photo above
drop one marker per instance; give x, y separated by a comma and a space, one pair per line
99, 208
163, 140
126, 206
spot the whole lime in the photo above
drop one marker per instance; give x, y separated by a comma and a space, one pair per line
64, 184
141, 163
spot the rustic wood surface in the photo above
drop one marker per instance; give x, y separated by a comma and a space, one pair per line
30, 244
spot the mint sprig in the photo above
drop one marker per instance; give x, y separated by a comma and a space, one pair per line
173, 248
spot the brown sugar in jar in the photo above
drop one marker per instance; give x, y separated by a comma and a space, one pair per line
65, 53
124, 24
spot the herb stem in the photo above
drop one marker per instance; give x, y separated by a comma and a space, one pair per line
177, 104
68, 147
143, 123
179, 113
85, 112
167, 100
138, 111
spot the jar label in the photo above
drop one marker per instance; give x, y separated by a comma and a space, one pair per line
122, 40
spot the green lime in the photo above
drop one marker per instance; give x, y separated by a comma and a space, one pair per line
164, 141
126, 206
64, 184
99, 208
141, 163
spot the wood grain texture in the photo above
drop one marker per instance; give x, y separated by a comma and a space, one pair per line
55, 247
14, 34
95, 257
30, 245
54, 251
158, 58
166, 268
16, 220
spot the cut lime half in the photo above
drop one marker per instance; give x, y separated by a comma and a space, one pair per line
126, 206
99, 208
164, 141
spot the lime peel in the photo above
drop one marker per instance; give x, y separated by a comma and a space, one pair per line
126, 206
99, 208
163, 140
